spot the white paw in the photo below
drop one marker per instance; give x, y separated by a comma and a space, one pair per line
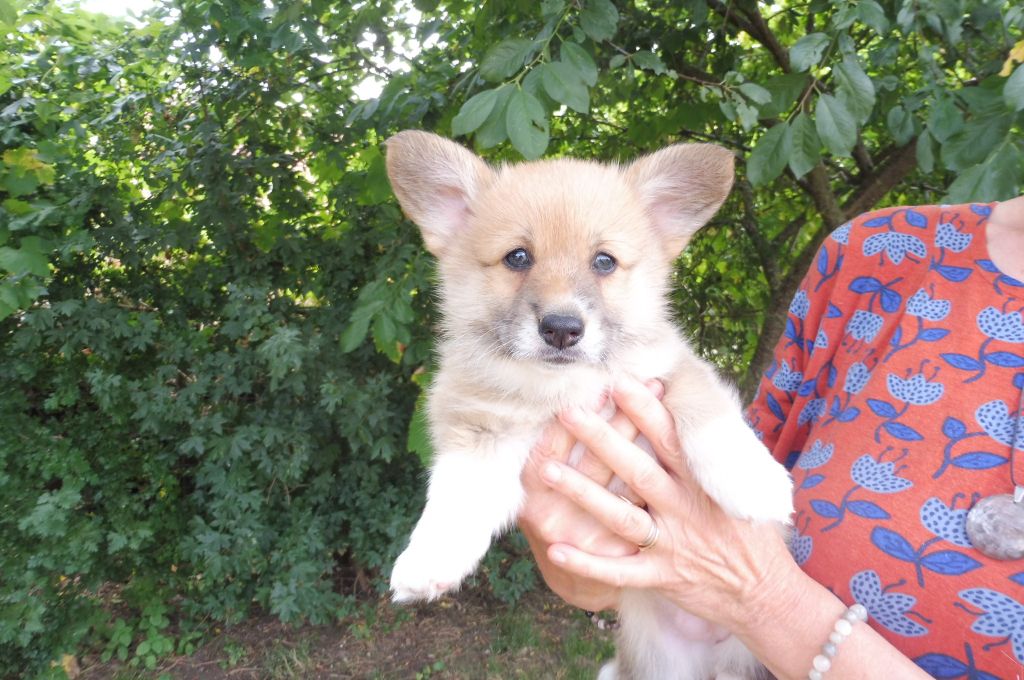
426, 572
739, 473
763, 492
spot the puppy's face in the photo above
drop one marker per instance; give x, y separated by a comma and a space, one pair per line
555, 262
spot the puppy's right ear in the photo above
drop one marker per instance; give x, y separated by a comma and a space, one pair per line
435, 180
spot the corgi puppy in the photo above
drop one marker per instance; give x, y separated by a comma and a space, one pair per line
554, 281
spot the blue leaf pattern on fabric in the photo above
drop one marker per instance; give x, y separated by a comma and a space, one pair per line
1005, 326
947, 236
1002, 617
895, 245
886, 606
946, 521
819, 454
878, 476
864, 325
994, 417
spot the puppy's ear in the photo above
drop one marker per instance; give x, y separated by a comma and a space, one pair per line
681, 187
435, 180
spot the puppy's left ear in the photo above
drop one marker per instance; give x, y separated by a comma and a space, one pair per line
681, 187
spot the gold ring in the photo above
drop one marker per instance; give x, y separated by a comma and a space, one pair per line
652, 536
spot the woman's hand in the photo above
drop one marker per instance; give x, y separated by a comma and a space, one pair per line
721, 569
549, 517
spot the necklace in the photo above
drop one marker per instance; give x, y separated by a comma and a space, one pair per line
995, 525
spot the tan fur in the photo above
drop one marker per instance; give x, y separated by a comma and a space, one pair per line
499, 382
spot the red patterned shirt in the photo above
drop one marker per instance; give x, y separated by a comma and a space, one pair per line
894, 398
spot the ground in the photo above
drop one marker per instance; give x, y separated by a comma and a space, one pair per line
469, 635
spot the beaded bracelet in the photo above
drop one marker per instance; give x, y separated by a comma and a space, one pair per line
842, 629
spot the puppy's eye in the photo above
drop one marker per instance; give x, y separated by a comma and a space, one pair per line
604, 263
518, 259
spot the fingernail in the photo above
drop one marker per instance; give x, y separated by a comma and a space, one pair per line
656, 388
557, 556
551, 473
572, 415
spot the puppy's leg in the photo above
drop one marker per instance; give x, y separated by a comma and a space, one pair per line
472, 496
728, 460
733, 661
651, 642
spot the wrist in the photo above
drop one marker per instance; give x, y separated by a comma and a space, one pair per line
781, 588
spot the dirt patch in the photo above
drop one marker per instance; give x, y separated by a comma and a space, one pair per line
469, 635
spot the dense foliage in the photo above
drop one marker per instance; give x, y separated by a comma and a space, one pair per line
215, 319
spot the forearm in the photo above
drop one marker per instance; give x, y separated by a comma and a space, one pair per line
792, 620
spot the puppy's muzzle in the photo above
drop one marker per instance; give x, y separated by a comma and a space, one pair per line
560, 331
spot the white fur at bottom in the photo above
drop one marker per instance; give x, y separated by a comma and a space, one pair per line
651, 646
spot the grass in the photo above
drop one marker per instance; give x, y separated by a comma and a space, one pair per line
470, 635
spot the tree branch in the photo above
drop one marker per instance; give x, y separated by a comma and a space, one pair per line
755, 26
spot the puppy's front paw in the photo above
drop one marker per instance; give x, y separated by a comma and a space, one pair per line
735, 469
426, 572
414, 578
763, 493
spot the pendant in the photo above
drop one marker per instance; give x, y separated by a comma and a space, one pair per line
995, 526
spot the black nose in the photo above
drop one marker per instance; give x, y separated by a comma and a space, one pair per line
561, 331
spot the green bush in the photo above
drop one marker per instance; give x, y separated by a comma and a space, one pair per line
189, 417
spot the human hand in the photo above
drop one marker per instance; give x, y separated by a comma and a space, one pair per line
716, 567
549, 517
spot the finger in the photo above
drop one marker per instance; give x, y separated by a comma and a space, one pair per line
555, 443
635, 468
622, 572
619, 515
656, 424
593, 467
597, 469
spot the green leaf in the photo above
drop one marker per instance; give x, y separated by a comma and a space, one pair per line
505, 59
354, 333
785, 90
770, 155
855, 88
755, 93
375, 187
925, 152
563, 84
494, 131
418, 440
6, 307
808, 51
599, 20
996, 178
527, 124
581, 61
1013, 90
835, 124
901, 125
8, 15
649, 61
24, 260
551, 8
805, 151
872, 14
747, 115
474, 112
945, 120
975, 142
